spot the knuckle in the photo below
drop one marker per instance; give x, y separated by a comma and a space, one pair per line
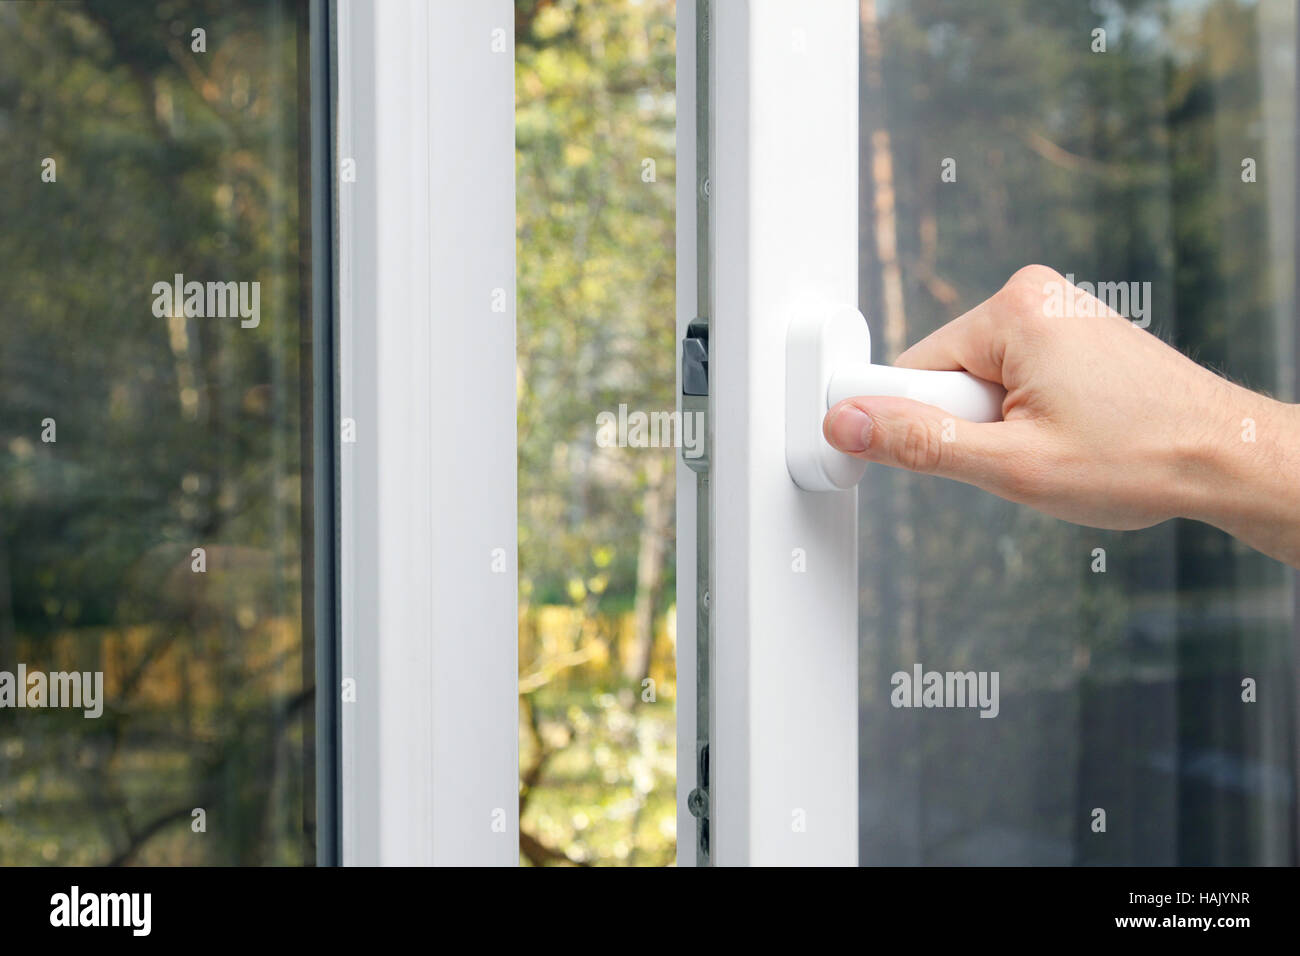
1024, 298
1033, 277
920, 448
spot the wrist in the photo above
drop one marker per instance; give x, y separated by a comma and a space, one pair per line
1243, 473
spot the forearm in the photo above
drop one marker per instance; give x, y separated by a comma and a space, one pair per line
1246, 479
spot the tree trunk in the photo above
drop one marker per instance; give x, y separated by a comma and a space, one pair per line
655, 518
894, 318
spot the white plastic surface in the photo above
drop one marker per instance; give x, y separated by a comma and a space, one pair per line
817, 344
783, 761
428, 585
959, 393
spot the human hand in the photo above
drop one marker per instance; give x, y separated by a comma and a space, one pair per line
1104, 424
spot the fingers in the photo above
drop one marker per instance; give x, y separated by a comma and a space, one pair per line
992, 341
997, 456
969, 342
977, 341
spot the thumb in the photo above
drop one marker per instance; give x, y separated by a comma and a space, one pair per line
922, 438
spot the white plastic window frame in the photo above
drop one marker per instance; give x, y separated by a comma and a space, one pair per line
784, 208
428, 566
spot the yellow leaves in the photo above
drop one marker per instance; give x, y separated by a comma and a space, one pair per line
576, 154
596, 276
530, 85
557, 69
552, 21
593, 288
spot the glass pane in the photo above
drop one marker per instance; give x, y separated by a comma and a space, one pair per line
1119, 690
153, 409
596, 174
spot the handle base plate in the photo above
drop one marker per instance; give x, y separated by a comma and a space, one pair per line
818, 342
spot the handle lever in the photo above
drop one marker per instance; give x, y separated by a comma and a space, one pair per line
960, 393
828, 360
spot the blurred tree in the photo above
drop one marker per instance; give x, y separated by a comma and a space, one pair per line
595, 141
1122, 165
173, 432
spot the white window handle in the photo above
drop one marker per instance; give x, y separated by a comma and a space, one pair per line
828, 359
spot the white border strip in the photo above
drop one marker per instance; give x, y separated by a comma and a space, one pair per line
428, 524
784, 753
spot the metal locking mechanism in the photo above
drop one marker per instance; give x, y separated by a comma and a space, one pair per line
695, 403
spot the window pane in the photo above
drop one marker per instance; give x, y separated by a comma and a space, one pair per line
596, 174
1119, 690
152, 528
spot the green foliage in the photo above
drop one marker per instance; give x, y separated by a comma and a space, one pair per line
594, 87
172, 433
595, 102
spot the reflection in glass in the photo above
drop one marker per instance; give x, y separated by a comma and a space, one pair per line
151, 466
1120, 690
